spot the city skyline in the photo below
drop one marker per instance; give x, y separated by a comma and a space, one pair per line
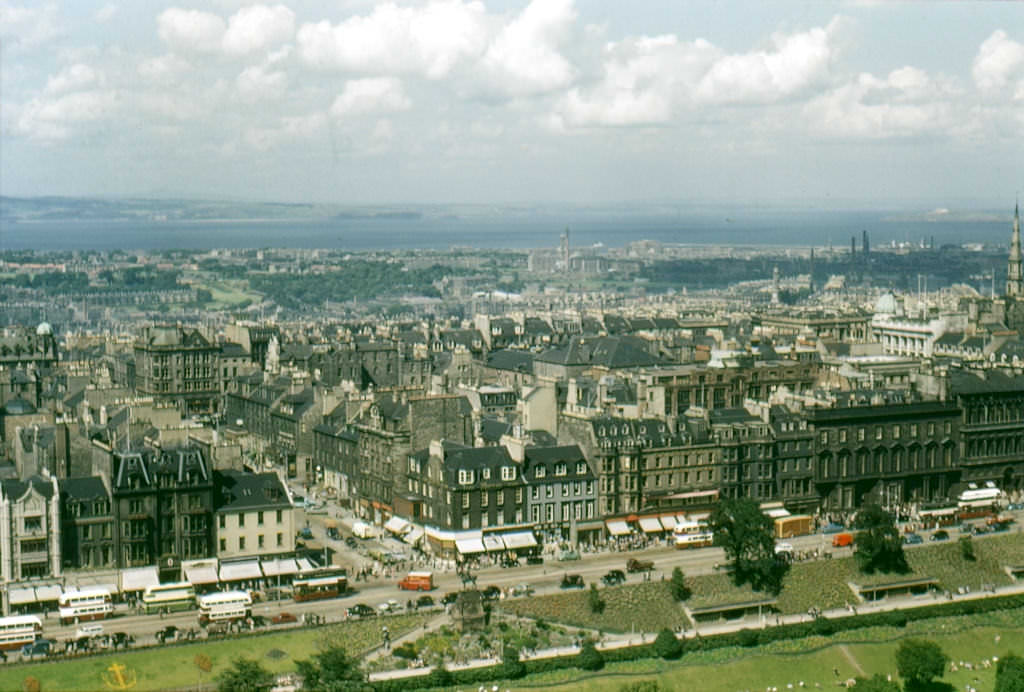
464, 102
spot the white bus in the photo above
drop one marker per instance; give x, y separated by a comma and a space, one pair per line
692, 533
169, 598
224, 606
86, 604
18, 630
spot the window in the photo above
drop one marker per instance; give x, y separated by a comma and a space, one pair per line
540, 472
576, 488
824, 437
565, 511
947, 427
535, 513
590, 487
565, 490
879, 432
486, 474
280, 539
278, 516
931, 429
561, 469
222, 521
500, 500
33, 523
241, 542
860, 434
549, 512
465, 500
581, 467
485, 498
519, 496
896, 430
465, 477
223, 545
549, 491
535, 492
508, 473
259, 540
241, 519
913, 430
259, 518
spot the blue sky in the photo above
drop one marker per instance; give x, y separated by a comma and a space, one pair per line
463, 101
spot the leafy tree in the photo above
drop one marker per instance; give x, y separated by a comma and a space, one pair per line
594, 599
245, 675
330, 670
667, 645
919, 661
876, 683
1010, 674
747, 536
878, 547
967, 549
589, 658
680, 591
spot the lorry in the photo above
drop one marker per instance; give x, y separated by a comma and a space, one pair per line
634, 565
360, 529
842, 540
417, 581
794, 525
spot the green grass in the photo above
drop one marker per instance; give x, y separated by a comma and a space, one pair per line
229, 293
174, 666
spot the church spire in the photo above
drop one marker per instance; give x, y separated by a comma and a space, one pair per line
1014, 277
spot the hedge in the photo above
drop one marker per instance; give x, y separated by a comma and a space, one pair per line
739, 638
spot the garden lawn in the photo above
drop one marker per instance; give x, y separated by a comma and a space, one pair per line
646, 607
174, 665
824, 583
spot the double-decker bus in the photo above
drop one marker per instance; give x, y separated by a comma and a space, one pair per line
18, 630
224, 606
692, 533
169, 598
86, 604
319, 587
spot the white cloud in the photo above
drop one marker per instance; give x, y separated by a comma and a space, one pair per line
908, 102
163, 68
371, 95
288, 129
47, 118
72, 78
258, 83
428, 40
105, 13
999, 65
258, 27
190, 30
524, 57
25, 27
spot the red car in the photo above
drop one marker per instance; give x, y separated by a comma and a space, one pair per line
283, 618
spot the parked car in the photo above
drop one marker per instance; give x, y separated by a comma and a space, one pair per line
980, 529
534, 560
40, 647
361, 610
614, 578
568, 556
572, 581
833, 528
351, 542
940, 535
913, 539
283, 618
389, 606
169, 633
1001, 526
1015, 506
491, 593
522, 590
424, 602
333, 534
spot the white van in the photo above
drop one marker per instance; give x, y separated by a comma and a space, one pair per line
89, 631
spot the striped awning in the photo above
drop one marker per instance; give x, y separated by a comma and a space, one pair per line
519, 539
669, 522
279, 567
493, 544
650, 525
413, 537
617, 528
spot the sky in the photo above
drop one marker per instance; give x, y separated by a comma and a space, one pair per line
858, 104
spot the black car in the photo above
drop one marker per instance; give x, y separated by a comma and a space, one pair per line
361, 610
491, 593
450, 598
351, 542
167, 633
333, 534
572, 581
614, 578
424, 602
940, 535
40, 647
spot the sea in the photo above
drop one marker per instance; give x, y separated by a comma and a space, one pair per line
816, 229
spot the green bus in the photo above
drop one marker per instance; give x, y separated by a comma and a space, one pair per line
169, 598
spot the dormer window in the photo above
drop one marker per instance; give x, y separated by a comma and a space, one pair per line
487, 474
508, 473
465, 477
561, 469
581, 467
540, 472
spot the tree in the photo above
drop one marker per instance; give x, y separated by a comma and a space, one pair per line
667, 645
919, 661
594, 599
589, 658
511, 667
746, 535
1010, 674
878, 547
967, 549
332, 669
876, 683
245, 675
680, 591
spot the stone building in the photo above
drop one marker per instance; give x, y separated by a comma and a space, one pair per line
30, 529
178, 365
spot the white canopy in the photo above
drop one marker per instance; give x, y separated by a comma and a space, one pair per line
48, 593
617, 528
397, 525
22, 596
413, 536
250, 569
650, 525
668, 522
138, 578
519, 539
305, 565
273, 568
201, 574
467, 546
493, 543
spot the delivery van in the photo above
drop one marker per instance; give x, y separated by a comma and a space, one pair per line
842, 540
417, 581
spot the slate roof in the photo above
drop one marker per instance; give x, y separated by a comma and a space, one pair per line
239, 491
607, 351
15, 489
83, 488
624, 430
967, 382
548, 457
516, 360
229, 349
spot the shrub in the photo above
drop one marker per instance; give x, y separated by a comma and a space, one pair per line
680, 591
511, 667
407, 651
589, 658
967, 549
667, 646
824, 626
748, 638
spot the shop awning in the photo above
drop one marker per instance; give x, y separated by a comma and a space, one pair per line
519, 539
413, 537
280, 567
48, 593
617, 528
21, 596
668, 522
941, 512
137, 579
304, 565
204, 574
234, 571
650, 525
397, 525
468, 546
493, 544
